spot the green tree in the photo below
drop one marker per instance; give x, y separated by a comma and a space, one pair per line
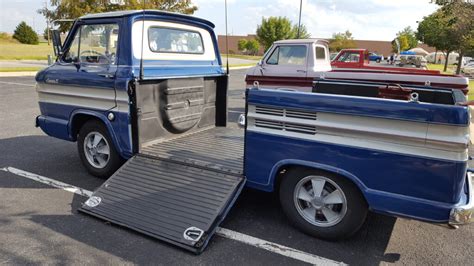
429, 30
72, 9
242, 45
460, 27
25, 34
406, 38
449, 29
341, 40
303, 32
410, 36
252, 47
402, 41
278, 28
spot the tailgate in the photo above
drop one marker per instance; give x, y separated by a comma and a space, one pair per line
176, 203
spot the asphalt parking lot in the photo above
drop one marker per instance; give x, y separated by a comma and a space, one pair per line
40, 223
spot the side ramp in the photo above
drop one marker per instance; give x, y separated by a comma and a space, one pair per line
176, 203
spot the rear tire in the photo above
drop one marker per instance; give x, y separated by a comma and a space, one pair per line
378, 60
322, 204
97, 150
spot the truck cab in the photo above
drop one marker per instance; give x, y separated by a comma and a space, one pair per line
291, 63
351, 58
144, 96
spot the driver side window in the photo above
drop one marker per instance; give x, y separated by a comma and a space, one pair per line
349, 57
94, 44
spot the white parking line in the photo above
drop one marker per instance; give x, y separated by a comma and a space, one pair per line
223, 232
48, 181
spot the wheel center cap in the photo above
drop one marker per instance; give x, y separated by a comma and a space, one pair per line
317, 203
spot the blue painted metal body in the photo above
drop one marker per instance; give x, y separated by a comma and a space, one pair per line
56, 119
398, 184
410, 186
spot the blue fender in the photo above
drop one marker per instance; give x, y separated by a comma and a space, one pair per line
314, 165
102, 117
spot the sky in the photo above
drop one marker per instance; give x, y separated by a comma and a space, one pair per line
366, 19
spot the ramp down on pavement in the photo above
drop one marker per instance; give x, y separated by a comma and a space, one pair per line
178, 203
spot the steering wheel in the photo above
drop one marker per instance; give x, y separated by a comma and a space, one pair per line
100, 56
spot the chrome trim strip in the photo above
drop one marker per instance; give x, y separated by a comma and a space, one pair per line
397, 136
83, 97
179, 77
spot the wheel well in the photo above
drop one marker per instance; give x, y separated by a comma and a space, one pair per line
284, 169
80, 120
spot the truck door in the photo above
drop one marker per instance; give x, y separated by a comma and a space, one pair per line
85, 74
348, 59
286, 61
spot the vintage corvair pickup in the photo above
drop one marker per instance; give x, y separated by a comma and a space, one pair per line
147, 88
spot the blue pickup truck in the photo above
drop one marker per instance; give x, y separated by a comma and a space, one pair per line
144, 95
375, 57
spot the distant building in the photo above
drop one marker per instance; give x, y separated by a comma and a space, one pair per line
378, 47
233, 41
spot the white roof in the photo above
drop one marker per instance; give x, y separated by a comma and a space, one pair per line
302, 41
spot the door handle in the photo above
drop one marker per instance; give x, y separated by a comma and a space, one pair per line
109, 76
301, 71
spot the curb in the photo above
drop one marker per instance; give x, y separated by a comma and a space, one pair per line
18, 74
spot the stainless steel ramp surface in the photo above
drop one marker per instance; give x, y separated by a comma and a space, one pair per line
179, 204
219, 148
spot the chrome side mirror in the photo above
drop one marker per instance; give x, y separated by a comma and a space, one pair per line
241, 121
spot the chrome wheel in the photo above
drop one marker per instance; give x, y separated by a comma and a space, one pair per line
96, 149
320, 201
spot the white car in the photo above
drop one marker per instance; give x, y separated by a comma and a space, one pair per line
468, 69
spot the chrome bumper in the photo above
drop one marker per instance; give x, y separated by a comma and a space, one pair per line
465, 213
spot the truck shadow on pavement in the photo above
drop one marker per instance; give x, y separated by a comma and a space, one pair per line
256, 213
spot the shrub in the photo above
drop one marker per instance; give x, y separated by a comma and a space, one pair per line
25, 34
242, 45
252, 47
4, 36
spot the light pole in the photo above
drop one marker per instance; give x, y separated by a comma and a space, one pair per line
299, 20
47, 21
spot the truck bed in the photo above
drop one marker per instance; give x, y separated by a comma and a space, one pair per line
217, 148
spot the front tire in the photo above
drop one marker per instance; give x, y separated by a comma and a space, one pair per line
321, 204
97, 151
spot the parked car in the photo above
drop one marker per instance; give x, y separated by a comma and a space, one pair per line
375, 57
468, 70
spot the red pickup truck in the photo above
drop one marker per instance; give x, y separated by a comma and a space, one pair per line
359, 59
